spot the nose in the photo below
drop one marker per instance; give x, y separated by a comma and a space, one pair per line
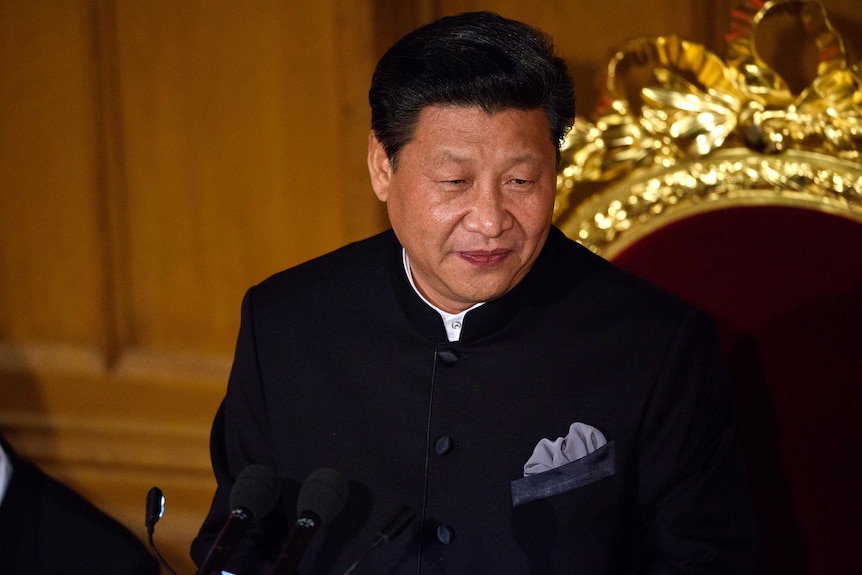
488, 213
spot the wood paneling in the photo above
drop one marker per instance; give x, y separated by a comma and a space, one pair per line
156, 159
229, 125
51, 251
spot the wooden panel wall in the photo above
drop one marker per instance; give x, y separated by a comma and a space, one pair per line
156, 159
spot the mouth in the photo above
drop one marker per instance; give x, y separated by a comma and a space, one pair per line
485, 258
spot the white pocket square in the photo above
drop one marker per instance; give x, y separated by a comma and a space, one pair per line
581, 440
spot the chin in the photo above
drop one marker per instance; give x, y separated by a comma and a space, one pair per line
484, 295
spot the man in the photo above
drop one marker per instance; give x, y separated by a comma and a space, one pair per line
436, 363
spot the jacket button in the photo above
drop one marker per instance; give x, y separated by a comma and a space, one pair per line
447, 356
445, 534
443, 445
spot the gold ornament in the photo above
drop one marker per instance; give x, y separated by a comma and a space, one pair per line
713, 133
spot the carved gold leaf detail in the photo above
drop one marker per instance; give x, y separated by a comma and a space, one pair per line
728, 130
728, 177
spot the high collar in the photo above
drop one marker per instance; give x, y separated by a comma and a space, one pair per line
553, 274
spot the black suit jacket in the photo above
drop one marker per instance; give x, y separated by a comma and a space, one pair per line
48, 529
340, 364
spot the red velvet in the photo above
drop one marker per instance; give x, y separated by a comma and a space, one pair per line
785, 286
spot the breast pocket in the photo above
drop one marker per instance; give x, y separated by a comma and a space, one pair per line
593, 467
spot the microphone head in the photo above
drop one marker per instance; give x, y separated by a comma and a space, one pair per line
155, 507
256, 490
323, 493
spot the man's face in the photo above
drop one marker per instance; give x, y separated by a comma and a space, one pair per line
471, 200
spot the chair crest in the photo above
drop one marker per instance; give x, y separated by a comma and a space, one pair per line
713, 133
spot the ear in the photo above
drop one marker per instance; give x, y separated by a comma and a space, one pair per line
379, 168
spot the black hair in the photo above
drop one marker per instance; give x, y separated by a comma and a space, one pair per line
473, 59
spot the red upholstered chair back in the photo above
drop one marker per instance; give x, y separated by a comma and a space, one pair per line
785, 287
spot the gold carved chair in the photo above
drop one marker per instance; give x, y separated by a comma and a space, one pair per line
721, 184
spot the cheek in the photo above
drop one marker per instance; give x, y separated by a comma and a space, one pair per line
434, 215
418, 224
535, 216
441, 216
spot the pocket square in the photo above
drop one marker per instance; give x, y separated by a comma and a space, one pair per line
581, 440
592, 467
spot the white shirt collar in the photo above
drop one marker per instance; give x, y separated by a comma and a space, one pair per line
453, 322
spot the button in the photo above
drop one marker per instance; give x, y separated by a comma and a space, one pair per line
445, 534
443, 445
447, 356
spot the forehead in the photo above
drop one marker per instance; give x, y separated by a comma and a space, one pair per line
464, 127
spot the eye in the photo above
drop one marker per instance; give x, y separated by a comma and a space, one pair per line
519, 184
455, 184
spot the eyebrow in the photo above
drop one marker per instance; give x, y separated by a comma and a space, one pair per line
449, 155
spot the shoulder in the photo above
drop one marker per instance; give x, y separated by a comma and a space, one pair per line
584, 275
356, 268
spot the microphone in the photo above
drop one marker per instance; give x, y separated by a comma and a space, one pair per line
155, 510
320, 499
253, 496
